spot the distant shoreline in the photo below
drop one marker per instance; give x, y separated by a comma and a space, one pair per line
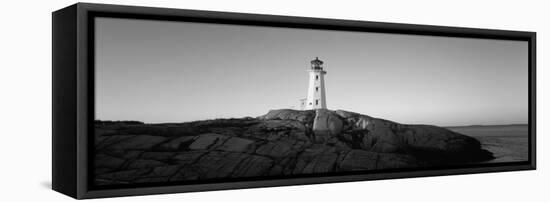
480, 126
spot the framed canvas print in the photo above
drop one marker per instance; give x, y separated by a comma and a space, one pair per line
154, 100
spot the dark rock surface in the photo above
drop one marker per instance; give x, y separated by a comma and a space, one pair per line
280, 143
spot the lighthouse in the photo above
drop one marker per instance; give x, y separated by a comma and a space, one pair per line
316, 97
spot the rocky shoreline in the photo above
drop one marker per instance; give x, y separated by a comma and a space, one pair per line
280, 143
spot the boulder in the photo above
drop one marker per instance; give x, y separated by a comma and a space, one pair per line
289, 114
277, 125
189, 157
177, 143
380, 137
219, 164
205, 141
273, 130
356, 160
315, 159
281, 148
326, 124
252, 166
441, 144
137, 142
276, 149
236, 144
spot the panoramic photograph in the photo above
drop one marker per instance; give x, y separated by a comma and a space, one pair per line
189, 102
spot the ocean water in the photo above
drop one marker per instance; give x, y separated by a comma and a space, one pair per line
508, 143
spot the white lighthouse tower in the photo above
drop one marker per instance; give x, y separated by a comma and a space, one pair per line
316, 98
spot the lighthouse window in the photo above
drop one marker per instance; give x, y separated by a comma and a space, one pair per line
317, 89
316, 102
316, 77
310, 103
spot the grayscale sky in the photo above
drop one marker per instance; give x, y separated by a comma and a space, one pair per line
160, 71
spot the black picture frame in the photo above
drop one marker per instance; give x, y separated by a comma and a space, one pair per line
73, 96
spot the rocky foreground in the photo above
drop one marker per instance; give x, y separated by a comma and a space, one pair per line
280, 143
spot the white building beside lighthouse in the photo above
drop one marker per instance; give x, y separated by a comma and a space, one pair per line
316, 97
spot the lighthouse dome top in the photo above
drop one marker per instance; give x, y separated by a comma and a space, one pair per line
317, 61
317, 64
